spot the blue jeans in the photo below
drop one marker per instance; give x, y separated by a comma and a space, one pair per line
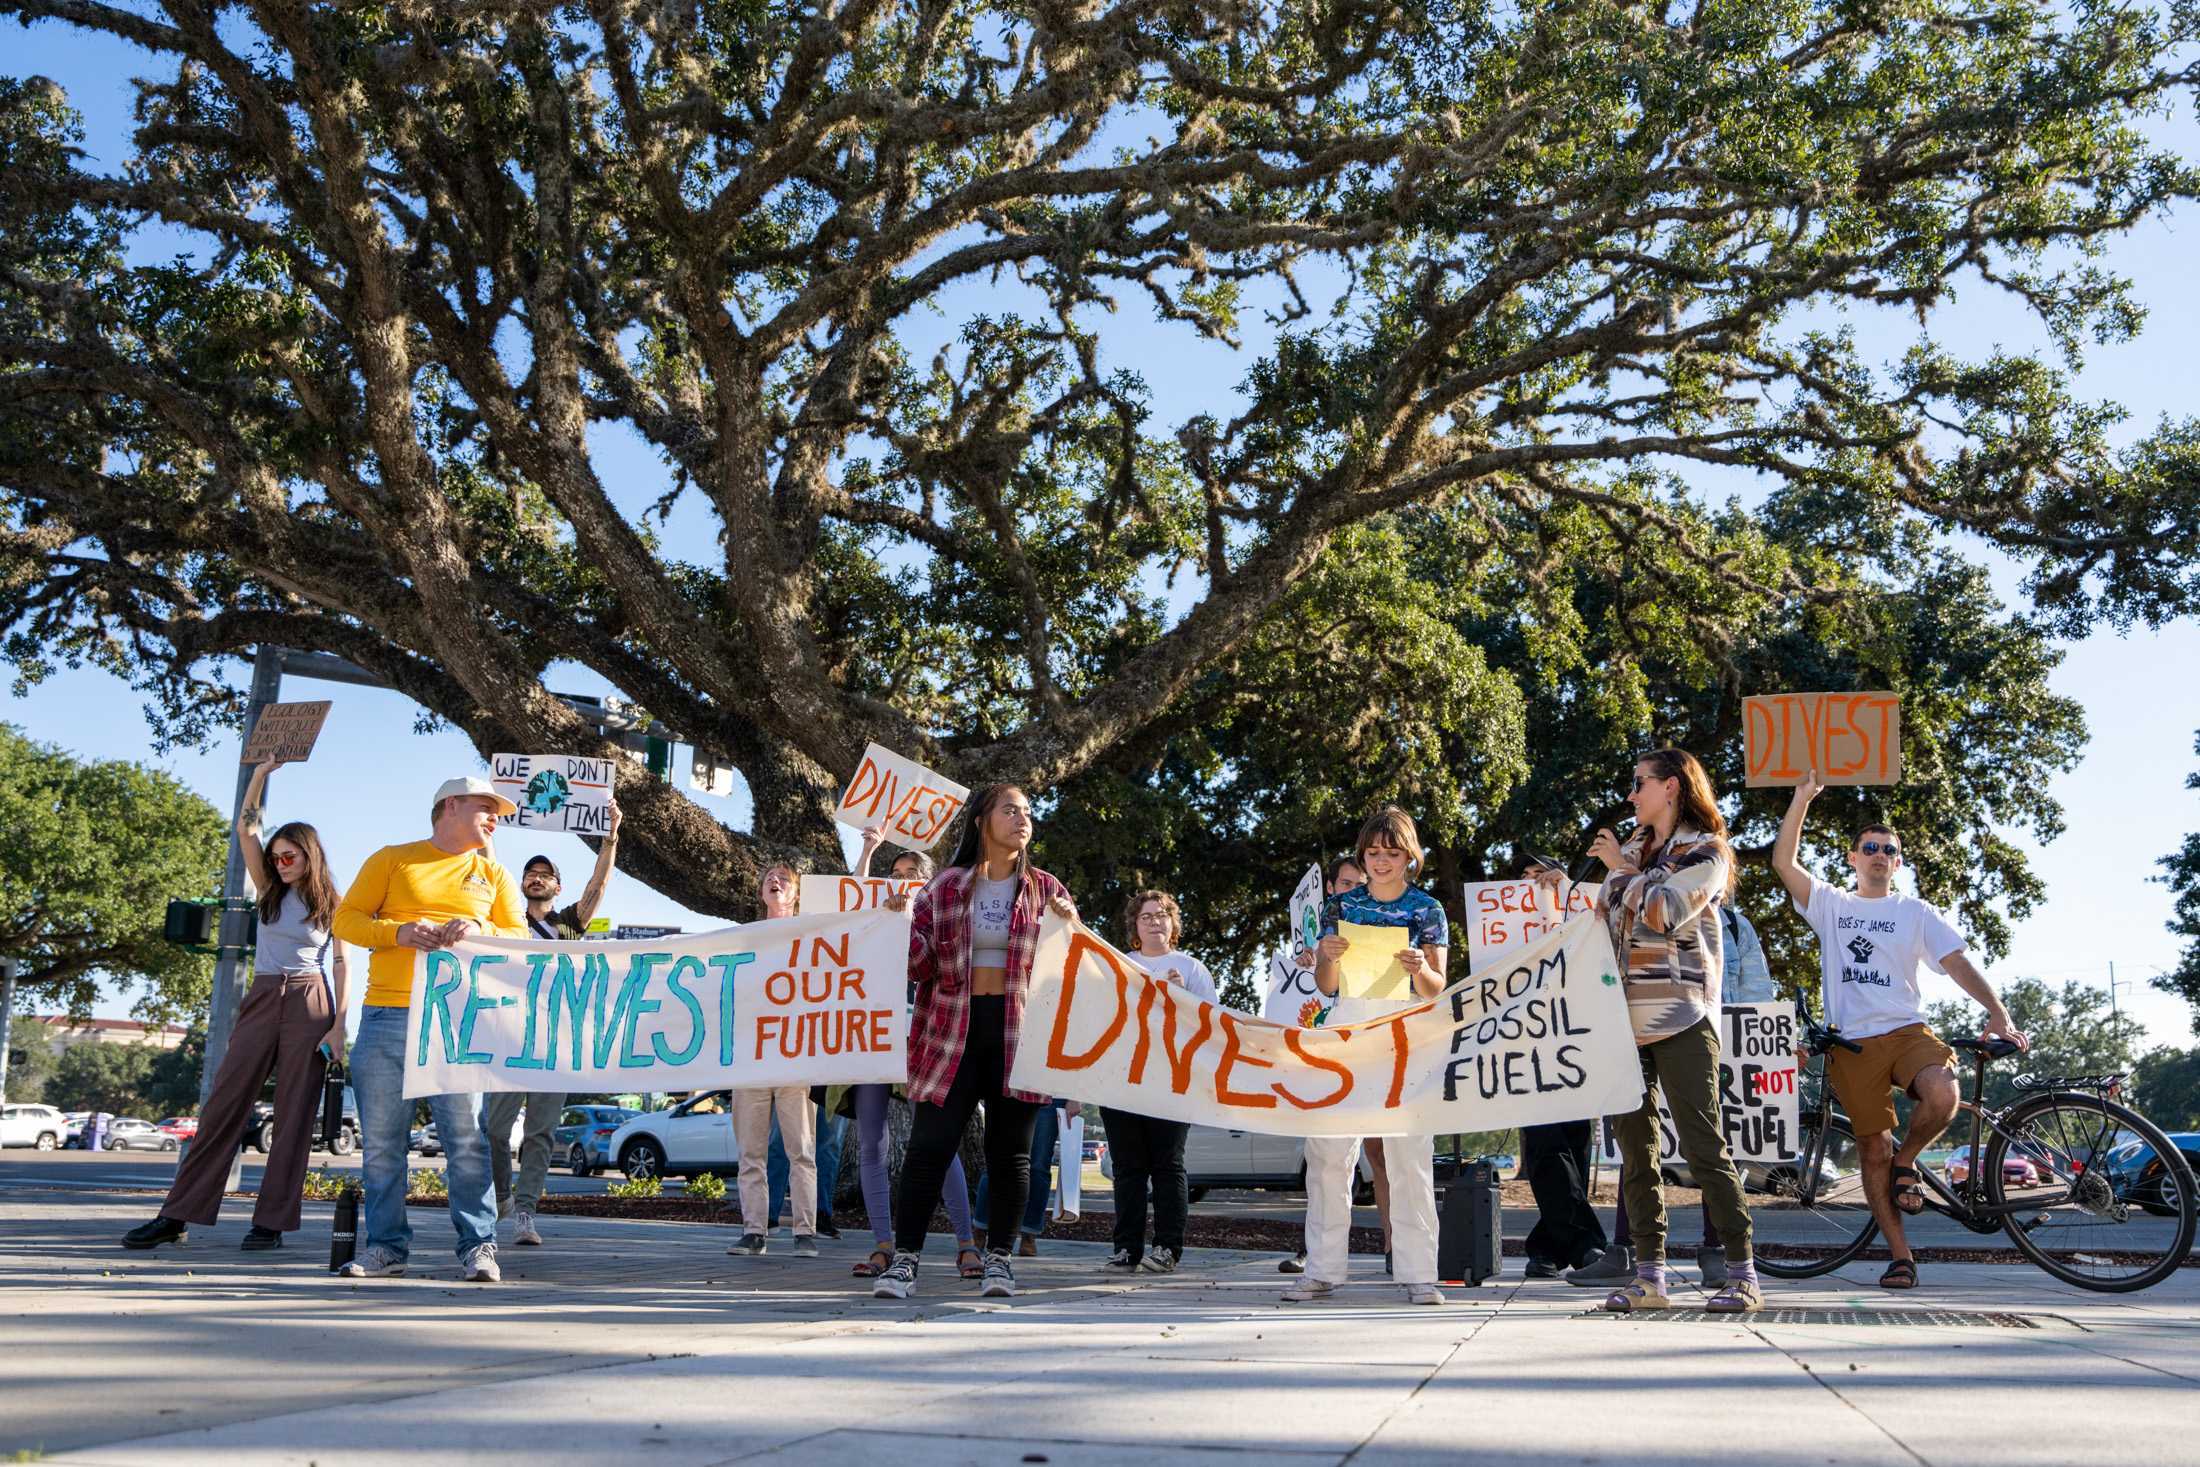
1043, 1136
385, 1125
832, 1131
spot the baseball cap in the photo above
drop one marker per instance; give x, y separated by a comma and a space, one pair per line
547, 864
472, 784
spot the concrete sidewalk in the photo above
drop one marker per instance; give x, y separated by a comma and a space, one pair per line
645, 1341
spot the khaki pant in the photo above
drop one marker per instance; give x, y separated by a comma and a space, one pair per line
280, 1026
1686, 1068
752, 1132
499, 1109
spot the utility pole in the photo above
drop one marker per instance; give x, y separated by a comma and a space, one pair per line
221, 1019
9, 969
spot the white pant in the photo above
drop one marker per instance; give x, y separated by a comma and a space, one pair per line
1331, 1165
752, 1129
1071, 1148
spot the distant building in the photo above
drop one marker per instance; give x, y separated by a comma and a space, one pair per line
63, 1032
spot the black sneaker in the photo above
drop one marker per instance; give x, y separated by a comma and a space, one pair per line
1543, 1268
260, 1240
1613, 1267
1294, 1264
750, 1243
1121, 1262
151, 1235
825, 1228
1161, 1260
1386, 1262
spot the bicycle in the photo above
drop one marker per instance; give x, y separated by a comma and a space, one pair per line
2045, 1177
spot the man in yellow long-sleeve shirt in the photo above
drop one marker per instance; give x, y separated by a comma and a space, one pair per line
418, 897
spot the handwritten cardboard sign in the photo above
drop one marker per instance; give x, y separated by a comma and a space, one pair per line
911, 804
1504, 915
1291, 973
1849, 738
285, 733
555, 791
1757, 1094
853, 893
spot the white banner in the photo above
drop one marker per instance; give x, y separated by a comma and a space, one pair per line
908, 803
814, 1000
555, 791
853, 893
1505, 916
1544, 1037
1757, 1100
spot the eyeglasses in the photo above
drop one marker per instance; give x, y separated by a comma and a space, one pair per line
288, 858
1873, 848
1643, 779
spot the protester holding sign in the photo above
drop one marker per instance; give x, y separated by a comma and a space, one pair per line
421, 897
1145, 1148
1369, 934
1870, 941
972, 934
290, 1024
540, 884
754, 1107
1660, 904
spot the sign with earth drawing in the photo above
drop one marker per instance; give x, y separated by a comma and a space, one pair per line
555, 791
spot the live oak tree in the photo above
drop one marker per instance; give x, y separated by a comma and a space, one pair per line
326, 360
2181, 873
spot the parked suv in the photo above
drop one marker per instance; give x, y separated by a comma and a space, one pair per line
582, 1133
259, 1130
1218, 1157
694, 1136
33, 1125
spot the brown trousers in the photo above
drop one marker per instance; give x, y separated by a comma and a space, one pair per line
280, 1026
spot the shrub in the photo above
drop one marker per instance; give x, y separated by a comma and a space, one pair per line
708, 1186
428, 1183
325, 1186
643, 1187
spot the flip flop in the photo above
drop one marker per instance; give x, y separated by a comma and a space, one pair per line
871, 1268
1900, 1274
975, 1269
1909, 1197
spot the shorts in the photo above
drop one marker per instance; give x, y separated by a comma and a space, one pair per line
1865, 1083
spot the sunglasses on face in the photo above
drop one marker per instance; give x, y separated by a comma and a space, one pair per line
1873, 848
1643, 779
288, 858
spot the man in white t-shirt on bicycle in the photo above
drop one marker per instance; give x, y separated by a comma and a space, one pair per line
1869, 942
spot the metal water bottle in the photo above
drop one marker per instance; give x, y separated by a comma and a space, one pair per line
343, 1238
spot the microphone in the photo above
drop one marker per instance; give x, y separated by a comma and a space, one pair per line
1588, 863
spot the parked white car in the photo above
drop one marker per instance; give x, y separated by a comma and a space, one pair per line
1215, 1157
39, 1126
694, 1136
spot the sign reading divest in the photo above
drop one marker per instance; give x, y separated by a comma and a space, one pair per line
1503, 916
1543, 1037
285, 733
1757, 1101
555, 791
853, 893
1849, 738
812, 1000
901, 798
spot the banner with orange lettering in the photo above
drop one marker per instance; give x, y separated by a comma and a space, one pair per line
1542, 1035
820, 999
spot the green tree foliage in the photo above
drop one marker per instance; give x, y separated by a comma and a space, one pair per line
172, 1084
859, 274
2073, 1031
92, 855
2181, 873
109, 1077
2166, 1086
31, 1057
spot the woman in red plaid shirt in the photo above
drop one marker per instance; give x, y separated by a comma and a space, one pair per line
972, 933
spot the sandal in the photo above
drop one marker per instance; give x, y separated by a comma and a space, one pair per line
1635, 1298
1738, 1297
1900, 1274
1909, 1197
975, 1268
871, 1268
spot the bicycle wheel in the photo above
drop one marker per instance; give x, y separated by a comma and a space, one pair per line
2050, 1151
1821, 1219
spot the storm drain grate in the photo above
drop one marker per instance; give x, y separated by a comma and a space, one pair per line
1898, 1318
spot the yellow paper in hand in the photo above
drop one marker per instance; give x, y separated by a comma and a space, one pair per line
1370, 966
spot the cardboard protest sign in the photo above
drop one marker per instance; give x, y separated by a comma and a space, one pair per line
909, 803
1849, 738
555, 791
285, 733
1503, 916
813, 1000
1543, 1037
1370, 966
853, 893
1291, 972
1757, 1097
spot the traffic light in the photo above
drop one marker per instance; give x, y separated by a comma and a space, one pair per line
190, 923
658, 753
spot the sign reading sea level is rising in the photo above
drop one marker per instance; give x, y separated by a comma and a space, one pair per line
910, 804
1849, 738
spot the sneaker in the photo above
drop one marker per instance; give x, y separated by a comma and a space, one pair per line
1386, 1263
1120, 1261
504, 1208
1543, 1268
1712, 1260
480, 1264
1000, 1277
1424, 1294
805, 1245
751, 1244
1296, 1263
1308, 1289
826, 1229
376, 1262
523, 1229
1615, 1265
1161, 1260
151, 1235
260, 1240
900, 1279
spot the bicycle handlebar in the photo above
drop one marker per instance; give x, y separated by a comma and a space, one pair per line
1818, 1038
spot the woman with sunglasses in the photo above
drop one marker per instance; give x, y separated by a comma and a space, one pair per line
1661, 904
291, 1025
972, 936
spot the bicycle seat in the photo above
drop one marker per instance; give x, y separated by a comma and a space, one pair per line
1991, 1048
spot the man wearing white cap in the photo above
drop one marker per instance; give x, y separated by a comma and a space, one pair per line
417, 897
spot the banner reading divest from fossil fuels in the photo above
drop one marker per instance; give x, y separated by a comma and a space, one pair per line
819, 999
1541, 1036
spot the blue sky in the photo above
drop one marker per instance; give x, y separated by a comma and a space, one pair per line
2126, 804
